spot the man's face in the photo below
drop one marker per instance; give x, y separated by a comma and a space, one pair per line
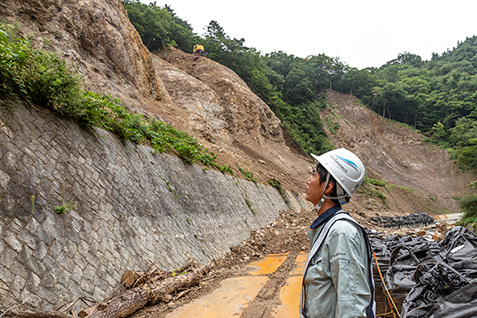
314, 188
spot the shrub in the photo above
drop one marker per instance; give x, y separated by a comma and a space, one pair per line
41, 78
37, 76
469, 206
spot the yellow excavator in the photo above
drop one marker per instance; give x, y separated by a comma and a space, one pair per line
199, 49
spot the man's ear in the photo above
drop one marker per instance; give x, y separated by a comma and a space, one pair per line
329, 188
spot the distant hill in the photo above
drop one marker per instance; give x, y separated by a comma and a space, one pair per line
211, 102
438, 97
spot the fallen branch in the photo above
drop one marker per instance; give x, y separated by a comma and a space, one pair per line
40, 314
132, 279
132, 300
135, 278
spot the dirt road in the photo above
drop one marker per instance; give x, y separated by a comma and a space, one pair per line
255, 291
261, 278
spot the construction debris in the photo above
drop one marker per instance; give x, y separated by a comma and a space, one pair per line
425, 278
148, 292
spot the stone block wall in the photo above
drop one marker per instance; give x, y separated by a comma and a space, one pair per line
129, 209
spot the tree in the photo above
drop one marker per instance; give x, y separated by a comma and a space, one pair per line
439, 96
298, 87
159, 27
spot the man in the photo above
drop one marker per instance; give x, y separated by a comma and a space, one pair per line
338, 278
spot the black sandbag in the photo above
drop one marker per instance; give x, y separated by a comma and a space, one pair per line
453, 234
460, 304
460, 244
408, 264
432, 285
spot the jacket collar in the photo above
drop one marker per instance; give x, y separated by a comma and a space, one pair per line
325, 216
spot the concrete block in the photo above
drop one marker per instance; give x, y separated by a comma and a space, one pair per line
11, 240
6, 276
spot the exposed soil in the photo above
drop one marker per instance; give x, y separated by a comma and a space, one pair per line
210, 102
218, 108
286, 234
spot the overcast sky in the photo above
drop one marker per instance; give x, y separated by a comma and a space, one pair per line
362, 33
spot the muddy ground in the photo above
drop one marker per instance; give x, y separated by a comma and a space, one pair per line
288, 234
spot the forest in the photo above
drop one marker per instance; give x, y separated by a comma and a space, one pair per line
436, 97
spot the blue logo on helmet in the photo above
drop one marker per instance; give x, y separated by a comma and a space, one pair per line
349, 162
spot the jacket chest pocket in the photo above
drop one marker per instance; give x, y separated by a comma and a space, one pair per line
318, 271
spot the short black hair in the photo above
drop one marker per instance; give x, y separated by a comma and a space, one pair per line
322, 172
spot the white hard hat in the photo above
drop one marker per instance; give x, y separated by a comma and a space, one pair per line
345, 167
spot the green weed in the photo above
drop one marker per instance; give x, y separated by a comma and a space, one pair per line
248, 175
65, 208
376, 182
32, 198
42, 78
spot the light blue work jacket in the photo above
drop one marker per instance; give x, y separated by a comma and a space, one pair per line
337, 280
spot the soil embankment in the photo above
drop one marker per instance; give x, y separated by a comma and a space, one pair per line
206, 100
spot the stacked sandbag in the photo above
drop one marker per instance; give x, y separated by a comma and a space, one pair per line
427, 278
412, 220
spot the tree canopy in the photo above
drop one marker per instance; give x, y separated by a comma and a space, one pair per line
437, 97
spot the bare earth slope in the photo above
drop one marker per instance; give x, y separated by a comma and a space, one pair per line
397, 154
211, 102
216, 106
202, 98
98, 37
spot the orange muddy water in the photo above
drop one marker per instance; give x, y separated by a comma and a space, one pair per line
234, 295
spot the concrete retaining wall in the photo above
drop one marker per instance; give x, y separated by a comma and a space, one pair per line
132, 210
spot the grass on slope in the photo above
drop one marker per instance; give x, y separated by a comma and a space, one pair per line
42, 78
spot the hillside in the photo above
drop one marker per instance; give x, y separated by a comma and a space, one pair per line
398, 155
129, 208
390, 151
210, 102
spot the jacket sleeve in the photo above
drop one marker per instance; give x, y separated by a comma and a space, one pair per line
349, 269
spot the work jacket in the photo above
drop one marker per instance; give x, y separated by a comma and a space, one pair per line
338, 281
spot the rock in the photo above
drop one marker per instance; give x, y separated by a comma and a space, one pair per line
437, 236
99, 38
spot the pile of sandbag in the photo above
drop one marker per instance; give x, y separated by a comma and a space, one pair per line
426, 278
412, 220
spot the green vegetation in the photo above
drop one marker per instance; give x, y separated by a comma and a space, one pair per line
37, 77
282, 81
66, 207
159, 27
32, 198
376, 182
437, 97
41, 78
369, 191
277, 185
247, 174
249, 204
469, 207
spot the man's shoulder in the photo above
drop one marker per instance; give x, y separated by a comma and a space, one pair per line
344, 226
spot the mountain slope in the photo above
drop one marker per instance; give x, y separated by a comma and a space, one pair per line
228, 118
396, 154
210, 102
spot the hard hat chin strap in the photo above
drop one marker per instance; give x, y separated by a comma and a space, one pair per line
324, 197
